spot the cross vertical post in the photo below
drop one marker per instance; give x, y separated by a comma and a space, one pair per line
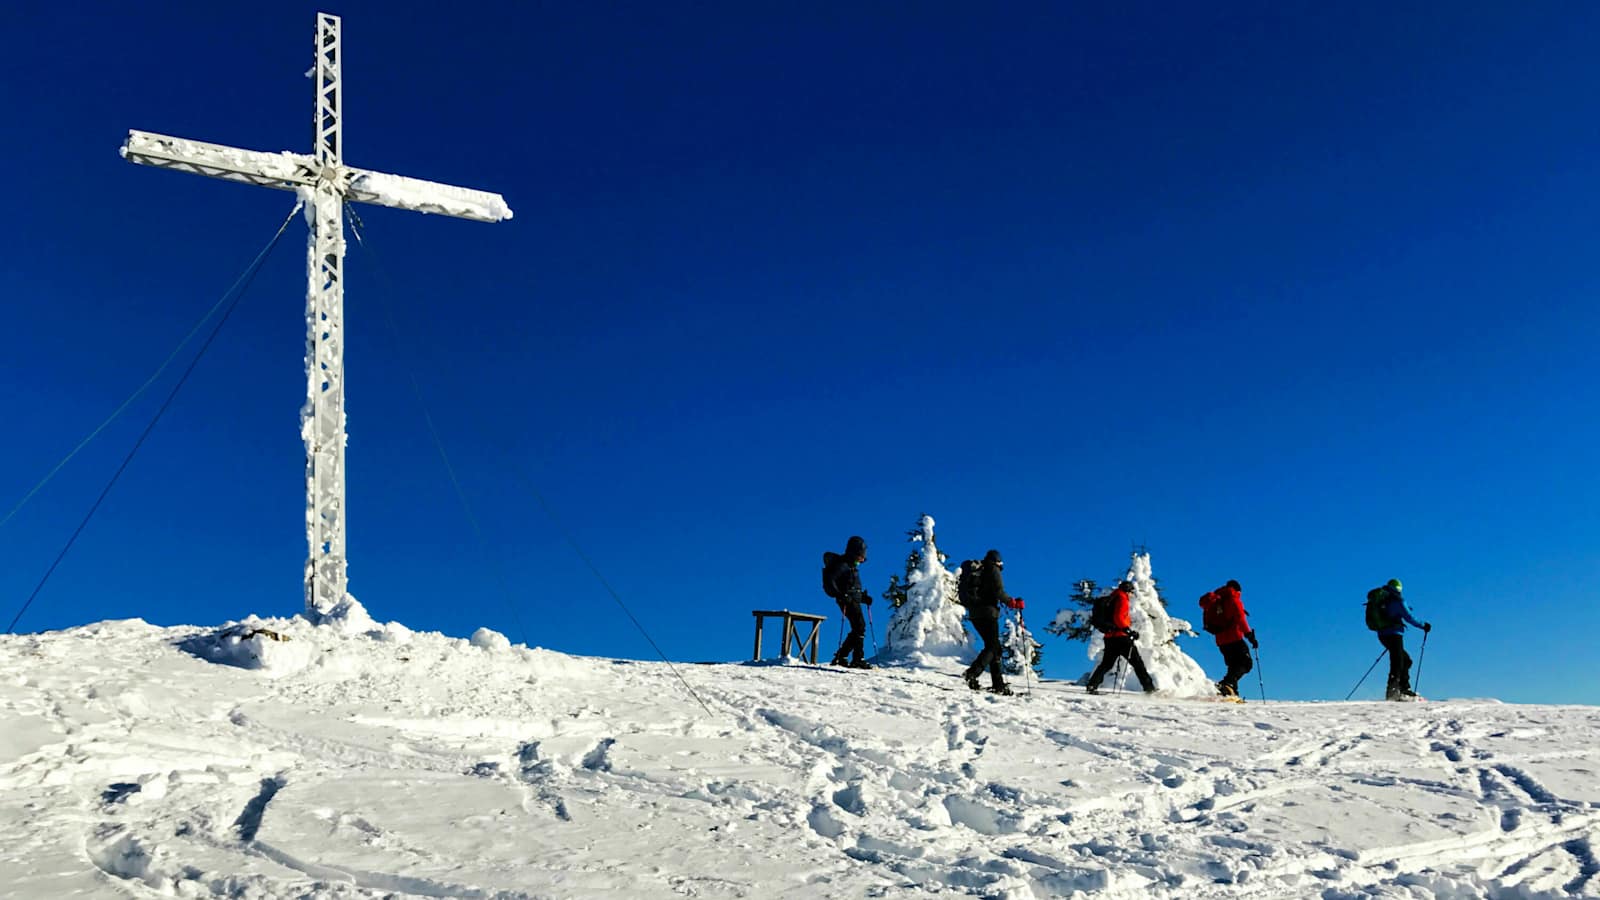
322, 420
325, 184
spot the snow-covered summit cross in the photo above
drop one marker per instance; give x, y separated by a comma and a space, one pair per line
325, 183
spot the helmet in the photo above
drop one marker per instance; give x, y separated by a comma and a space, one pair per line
1394, 583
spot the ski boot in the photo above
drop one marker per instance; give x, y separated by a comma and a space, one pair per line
972, 681
860, 664
1003, 690
1091, 689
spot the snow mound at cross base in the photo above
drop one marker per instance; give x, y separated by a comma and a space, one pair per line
281, 647
406, 765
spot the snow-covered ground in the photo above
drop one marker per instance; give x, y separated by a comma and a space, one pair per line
420, 765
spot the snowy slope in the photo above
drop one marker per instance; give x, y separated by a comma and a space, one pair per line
419, 765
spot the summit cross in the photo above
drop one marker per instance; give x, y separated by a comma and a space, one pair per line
325, 183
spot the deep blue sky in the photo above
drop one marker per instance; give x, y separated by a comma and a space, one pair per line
1295, 294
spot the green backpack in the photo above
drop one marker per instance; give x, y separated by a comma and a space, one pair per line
1378, 608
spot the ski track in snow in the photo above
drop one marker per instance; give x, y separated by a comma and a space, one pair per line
432, 768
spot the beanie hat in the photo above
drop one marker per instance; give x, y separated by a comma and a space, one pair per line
993, 556
1233, 584
1394, 583
856, 546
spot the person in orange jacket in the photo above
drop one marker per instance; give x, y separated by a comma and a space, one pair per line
1115, 623
1224, 617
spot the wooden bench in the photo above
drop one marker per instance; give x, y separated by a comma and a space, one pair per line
789, 632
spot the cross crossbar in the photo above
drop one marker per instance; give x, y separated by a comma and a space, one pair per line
288, 171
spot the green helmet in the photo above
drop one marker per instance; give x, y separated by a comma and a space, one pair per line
1395, 583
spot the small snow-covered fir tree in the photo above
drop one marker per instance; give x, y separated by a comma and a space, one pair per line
1173, 670
895, 593
926, 628
1072, 623
1017, 644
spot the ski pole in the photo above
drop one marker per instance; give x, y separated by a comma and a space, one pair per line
1417, 682
1122, 663
1260, 682
872, 630
1369, 672
1027, 664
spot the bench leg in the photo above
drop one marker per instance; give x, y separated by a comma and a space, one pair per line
758, 637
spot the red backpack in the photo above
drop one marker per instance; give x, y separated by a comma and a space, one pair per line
1215, 620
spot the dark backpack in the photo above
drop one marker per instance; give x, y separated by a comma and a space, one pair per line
1214, 621
967, 583
1100, 615
829, 561
1378, 609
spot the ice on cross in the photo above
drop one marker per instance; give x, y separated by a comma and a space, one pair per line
326, 184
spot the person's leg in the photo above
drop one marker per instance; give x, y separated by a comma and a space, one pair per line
1237, 656
852, 641
989, 630
1139, 671
997, 676
1115, 648
858, 633
1403, 682
1399, 664
983, 624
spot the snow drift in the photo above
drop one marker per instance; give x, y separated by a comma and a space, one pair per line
392, 764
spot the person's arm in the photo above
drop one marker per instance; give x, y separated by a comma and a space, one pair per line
1123, 620
1243, 619
1406, 614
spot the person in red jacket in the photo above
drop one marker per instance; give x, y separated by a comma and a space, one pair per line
1116, 625
1225, 618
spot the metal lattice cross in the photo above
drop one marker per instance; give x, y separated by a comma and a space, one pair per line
326, 184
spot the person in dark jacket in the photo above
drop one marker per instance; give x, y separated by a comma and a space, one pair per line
1119, 638
1224, 611
984, 613
1392, 636
844, 586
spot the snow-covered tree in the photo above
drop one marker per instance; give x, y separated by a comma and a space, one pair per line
1072, 623
926, 628
1017, 644
895, 593
1173, 670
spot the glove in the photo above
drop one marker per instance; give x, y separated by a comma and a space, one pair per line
1427, 627
1133, 635
1251, 637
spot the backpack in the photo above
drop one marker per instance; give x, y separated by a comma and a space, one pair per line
1100, 617
967, 583
829, 561
1214, 621
1378, 609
